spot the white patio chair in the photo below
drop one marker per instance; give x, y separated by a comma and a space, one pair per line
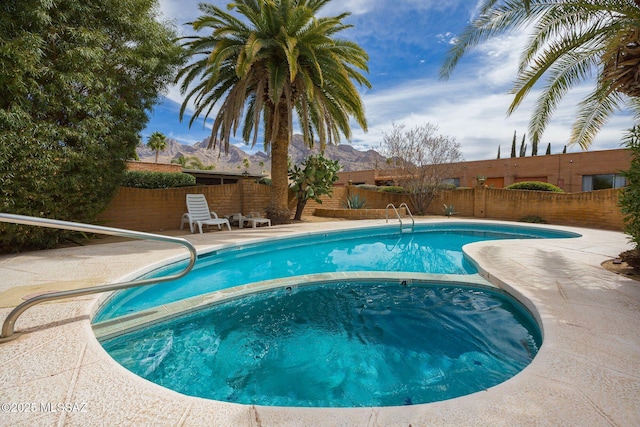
255, 219
199, 214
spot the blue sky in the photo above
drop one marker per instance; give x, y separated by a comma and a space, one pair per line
407, 41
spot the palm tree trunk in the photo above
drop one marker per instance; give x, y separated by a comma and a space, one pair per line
279, 212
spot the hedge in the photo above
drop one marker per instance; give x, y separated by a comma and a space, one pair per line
534, 186
154, 180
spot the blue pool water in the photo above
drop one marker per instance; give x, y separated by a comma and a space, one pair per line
430, 249
338, 345
334, 344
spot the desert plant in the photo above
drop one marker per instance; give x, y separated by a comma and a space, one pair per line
313, 180
354, 201
449, 210
534, 186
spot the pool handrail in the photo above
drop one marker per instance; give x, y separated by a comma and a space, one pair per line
8, 332
402, 205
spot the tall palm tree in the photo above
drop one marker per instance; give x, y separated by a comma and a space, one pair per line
572, 41
158, 142
277, 58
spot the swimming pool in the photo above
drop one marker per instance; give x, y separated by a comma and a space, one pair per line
338, 344
431, 248
156, 352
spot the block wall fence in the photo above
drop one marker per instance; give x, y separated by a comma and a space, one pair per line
158, 210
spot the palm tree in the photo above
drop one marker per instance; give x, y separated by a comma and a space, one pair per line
158, 142
278, 58
572, 40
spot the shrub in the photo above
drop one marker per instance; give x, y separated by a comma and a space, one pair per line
77, 82
632, 258
368, 187
264, 181
630, 199
391, 189
354, 201
154, 180
534, 219
534, 186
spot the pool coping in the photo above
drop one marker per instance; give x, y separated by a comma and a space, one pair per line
111, 328
585, 371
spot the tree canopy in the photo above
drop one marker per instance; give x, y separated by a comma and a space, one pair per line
314, 179
252, 71
572, 41
77, 80
157, 141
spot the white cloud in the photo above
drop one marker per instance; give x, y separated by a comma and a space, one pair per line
471, 105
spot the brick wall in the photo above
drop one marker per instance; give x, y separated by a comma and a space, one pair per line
564, 170
154, 167
157, 210
597, 209
373, 199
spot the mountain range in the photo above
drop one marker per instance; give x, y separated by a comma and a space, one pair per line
259, 163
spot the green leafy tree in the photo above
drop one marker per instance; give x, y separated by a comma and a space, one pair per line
513, 145
630, 197
572, 40
314, 179
277, 57
157, 142
77, 78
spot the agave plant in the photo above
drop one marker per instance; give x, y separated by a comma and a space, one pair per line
354, 201
449, 210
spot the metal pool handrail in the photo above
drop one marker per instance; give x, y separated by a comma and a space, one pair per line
403, 205
8, 332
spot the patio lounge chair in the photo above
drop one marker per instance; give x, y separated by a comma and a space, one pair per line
199, 214
255, 219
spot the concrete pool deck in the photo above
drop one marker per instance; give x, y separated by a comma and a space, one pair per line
587, 371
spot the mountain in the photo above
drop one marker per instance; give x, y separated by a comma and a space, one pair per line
234, 161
